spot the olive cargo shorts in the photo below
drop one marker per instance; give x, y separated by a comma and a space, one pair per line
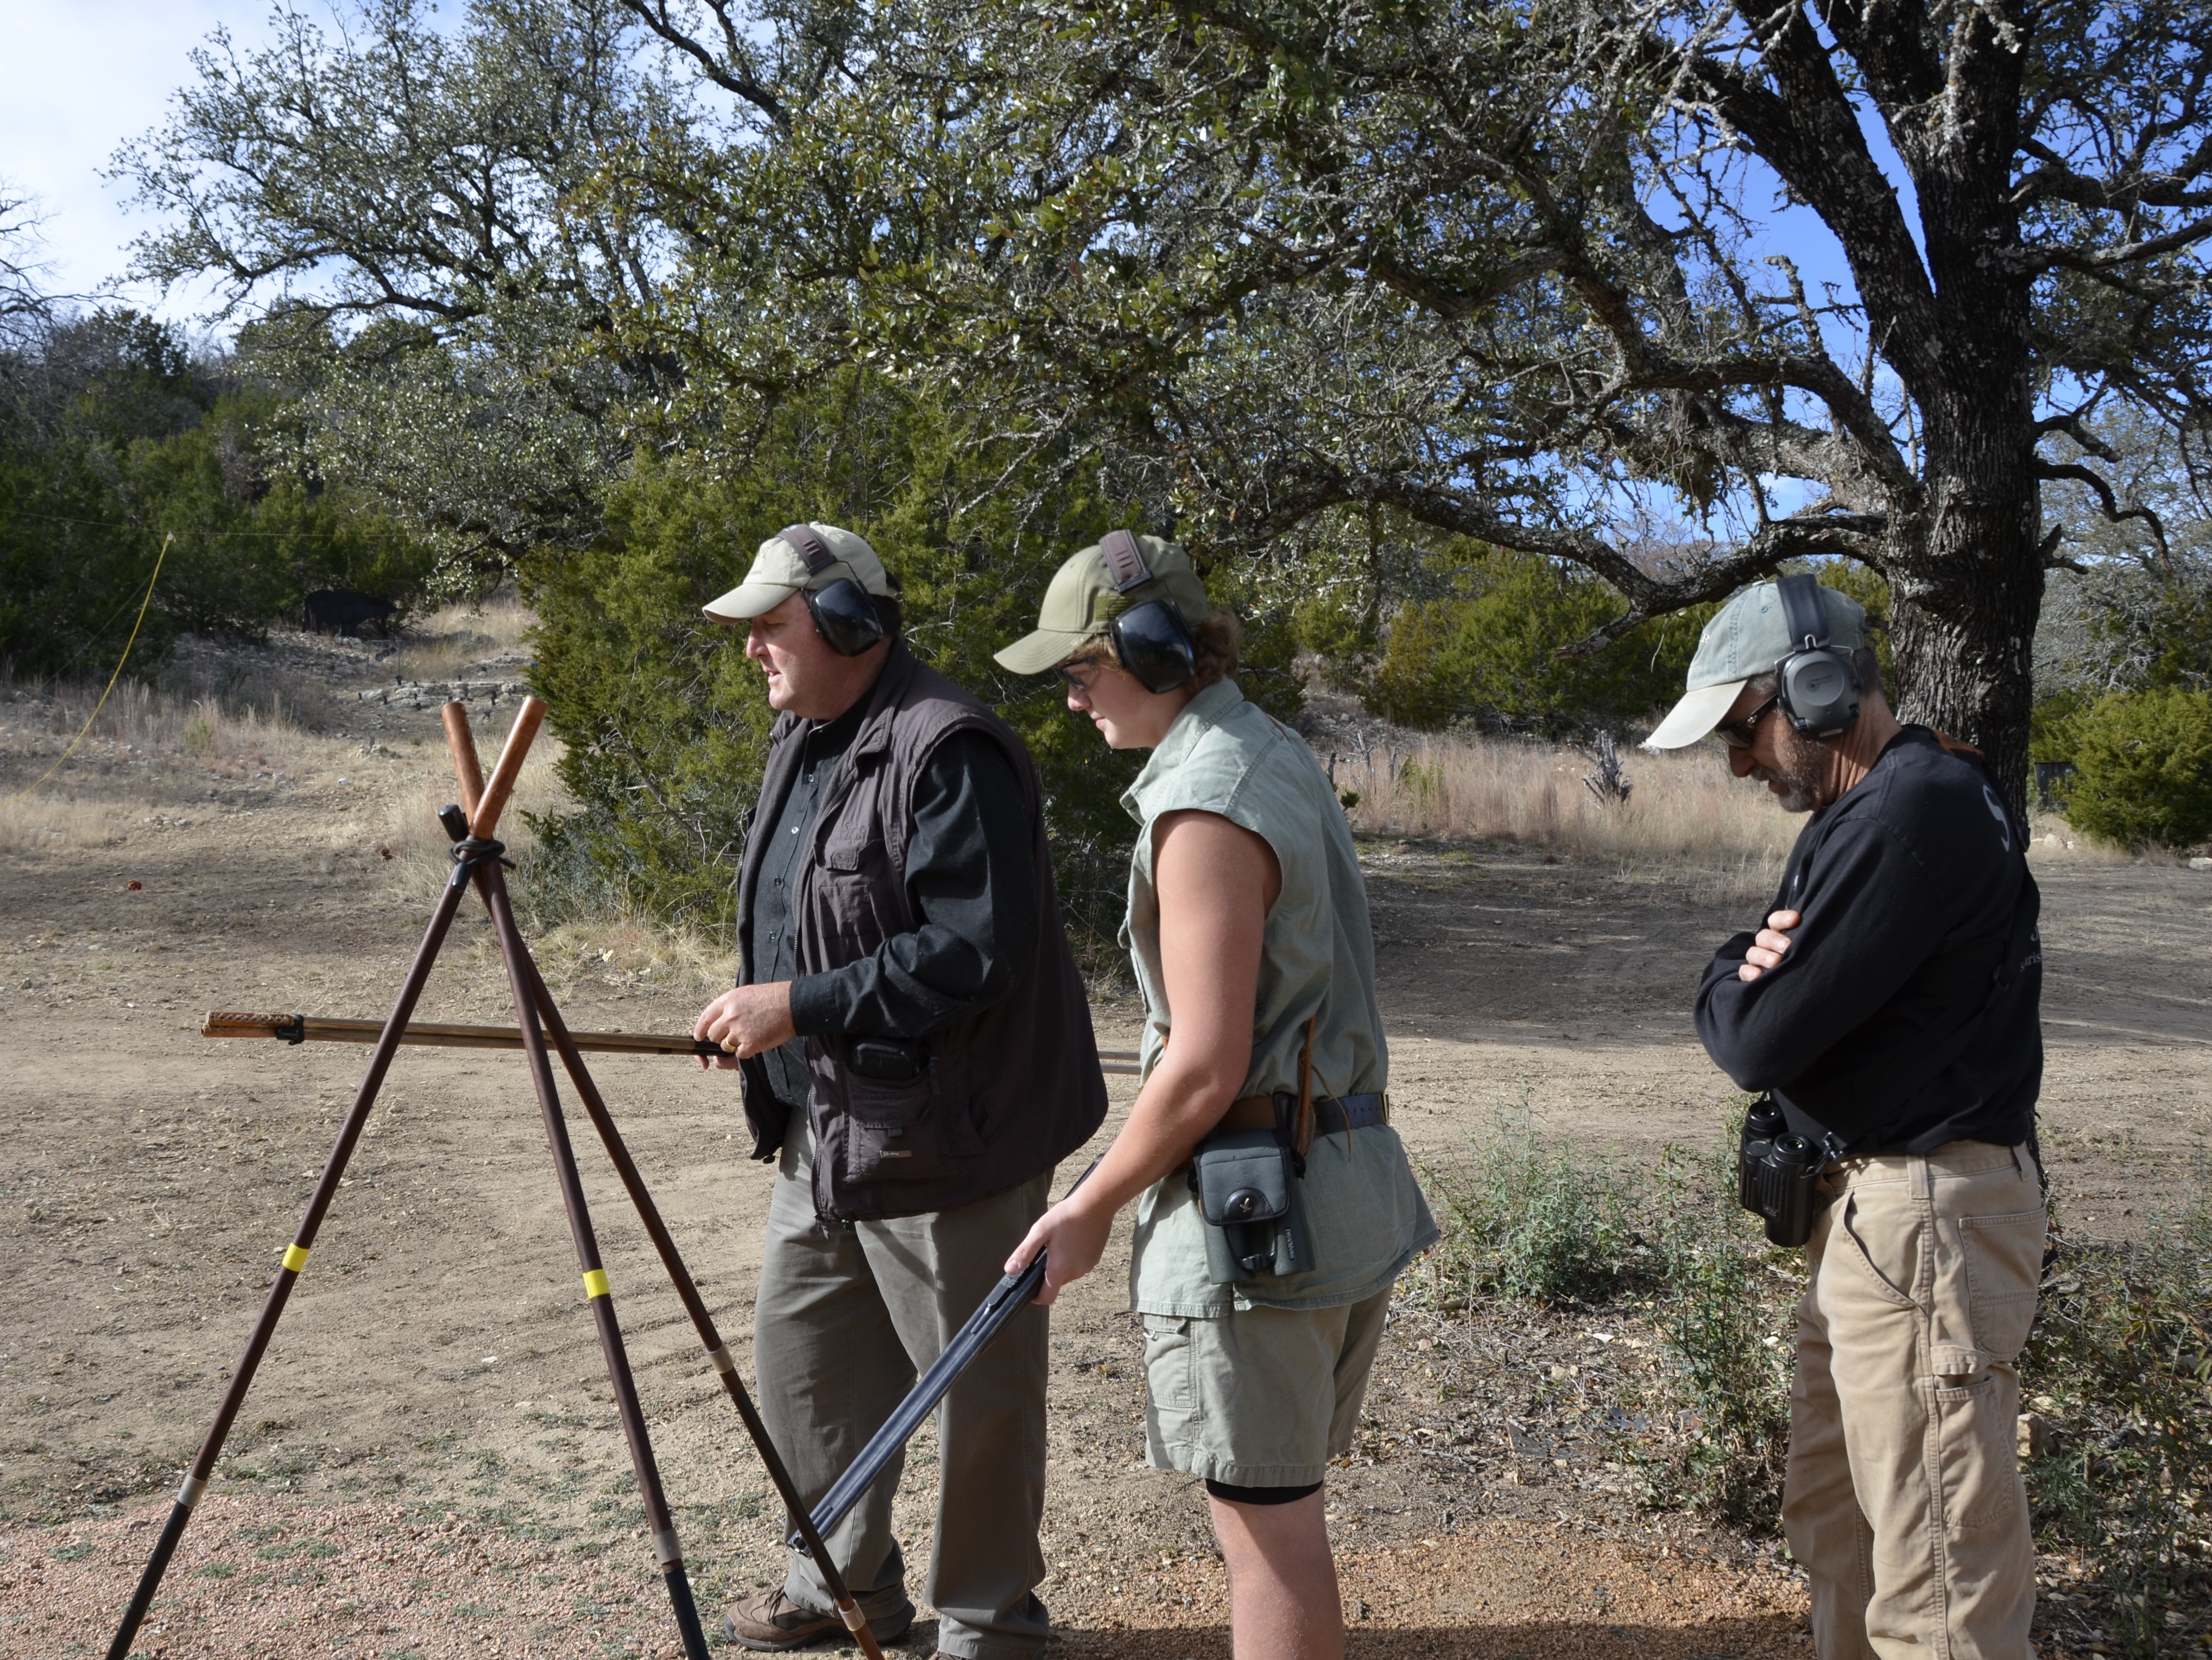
1903, 1498
1258, 1398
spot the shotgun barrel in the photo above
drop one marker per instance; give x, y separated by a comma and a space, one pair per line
319, 1028
323, 1028
1007, 1298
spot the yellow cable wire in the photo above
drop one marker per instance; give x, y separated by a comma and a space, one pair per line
111, 679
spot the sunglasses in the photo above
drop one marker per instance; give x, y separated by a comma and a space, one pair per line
1739, 734
1082, 676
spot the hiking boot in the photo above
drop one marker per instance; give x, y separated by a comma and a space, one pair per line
771, 1623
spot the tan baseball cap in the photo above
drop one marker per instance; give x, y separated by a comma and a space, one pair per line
1747, 636
1081, 603
779, 570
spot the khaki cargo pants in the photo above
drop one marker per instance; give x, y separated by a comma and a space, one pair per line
845, 1320
1903, 1498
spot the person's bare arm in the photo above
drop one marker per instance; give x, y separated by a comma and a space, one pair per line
1216, 883
746, 1021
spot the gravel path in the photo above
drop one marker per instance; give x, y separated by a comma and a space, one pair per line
257, 1576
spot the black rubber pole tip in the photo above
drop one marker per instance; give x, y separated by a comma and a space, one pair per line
686, 1612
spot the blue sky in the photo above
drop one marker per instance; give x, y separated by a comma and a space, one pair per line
76, 82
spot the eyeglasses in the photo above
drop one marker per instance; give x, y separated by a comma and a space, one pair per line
1739, 734
1082, 675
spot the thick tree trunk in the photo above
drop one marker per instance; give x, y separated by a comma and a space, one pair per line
1967, 583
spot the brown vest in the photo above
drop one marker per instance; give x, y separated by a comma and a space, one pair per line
1006, 1093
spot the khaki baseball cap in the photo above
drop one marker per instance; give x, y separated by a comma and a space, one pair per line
1080, 604
779, 570
1747, 637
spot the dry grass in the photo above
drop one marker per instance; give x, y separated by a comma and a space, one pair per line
158, 758
1685, 818
1683, 811
628, 950
28, 823
147, 748
152, 750
448, 640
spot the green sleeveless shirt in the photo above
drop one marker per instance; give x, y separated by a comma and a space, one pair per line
1317, 962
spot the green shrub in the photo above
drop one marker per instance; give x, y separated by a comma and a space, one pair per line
1726, 1315
1533, 1221
2144, 762
2119, 1366
1488, 651
1550, 1225
86, 509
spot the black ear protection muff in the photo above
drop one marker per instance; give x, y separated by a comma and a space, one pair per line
1818, 687
1152, 640
844, 612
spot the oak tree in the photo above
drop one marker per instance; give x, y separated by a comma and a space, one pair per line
1525, 272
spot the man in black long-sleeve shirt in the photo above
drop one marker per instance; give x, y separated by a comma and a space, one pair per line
916, 1054
1890, 1007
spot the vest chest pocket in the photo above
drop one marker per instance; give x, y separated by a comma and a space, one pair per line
852, 894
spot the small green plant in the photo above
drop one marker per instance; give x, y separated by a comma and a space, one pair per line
2119, 1366
1724, 1313
1534, 1222
2144, 767
199, 736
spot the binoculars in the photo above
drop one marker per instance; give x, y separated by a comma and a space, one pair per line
1778, 1174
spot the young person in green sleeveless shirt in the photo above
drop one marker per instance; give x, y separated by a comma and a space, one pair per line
1248, 927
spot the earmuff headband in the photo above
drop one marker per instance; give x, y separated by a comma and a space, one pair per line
844, 613
1803, 613
1819, 686
812, 548
1124, 560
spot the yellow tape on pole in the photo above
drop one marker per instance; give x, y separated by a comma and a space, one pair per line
595, 1284
295, 1257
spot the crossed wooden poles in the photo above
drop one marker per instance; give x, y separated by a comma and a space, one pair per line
477, 858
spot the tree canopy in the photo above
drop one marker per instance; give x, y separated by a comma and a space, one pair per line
1548, 277
1508, 269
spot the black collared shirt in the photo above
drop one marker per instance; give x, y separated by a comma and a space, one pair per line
970, 877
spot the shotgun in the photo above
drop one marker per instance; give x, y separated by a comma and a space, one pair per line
1007, 1298
320, 1028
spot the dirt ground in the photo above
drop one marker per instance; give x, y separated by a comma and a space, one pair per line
428, 1462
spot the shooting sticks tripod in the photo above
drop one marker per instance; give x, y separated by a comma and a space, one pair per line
477, 858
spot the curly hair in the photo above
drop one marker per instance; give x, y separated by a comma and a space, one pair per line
1217, 638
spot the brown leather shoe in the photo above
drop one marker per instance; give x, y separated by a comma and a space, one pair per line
772, 1623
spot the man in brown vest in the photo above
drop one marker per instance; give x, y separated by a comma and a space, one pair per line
916, 1052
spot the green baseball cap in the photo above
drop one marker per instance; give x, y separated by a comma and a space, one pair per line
1748, 637
1081, 603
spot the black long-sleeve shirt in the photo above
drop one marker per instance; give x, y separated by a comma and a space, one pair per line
970, 877
1906, 1013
